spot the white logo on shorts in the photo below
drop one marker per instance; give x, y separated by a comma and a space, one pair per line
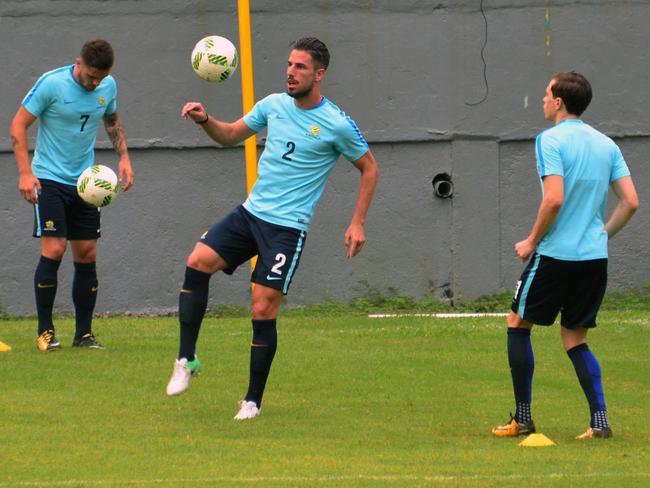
517, 289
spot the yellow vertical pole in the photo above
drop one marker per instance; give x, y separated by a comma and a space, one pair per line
248, 94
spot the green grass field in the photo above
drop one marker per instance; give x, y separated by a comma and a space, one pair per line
351, 401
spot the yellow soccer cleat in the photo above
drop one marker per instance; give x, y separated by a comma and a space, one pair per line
514, 428
593, 433
47, 341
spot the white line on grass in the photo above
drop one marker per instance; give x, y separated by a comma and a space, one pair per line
325, 479
436, 315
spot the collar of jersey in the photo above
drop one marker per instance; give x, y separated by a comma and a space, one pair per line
572, 121
320, 104
76, 83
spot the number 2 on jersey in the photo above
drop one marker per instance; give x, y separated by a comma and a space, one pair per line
292, 147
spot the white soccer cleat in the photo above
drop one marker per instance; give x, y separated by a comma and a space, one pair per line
247, 410
183, 371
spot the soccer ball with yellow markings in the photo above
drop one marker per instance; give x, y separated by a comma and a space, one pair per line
214, 58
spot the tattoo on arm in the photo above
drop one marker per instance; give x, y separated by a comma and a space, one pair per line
14, 141
115, 132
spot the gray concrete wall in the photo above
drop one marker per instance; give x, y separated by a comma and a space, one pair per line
409, 72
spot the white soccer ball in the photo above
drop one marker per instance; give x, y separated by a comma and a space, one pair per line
98, 185
214, 58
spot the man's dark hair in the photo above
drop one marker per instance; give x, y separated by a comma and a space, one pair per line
316, 48
574, 90
98, 54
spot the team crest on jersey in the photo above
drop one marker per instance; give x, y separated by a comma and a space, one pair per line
315, 130
101, 101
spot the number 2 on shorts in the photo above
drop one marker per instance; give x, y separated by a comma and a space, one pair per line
280, 260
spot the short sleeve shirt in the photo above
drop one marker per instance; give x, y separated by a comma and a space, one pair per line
588, 161
302, 147
68, 117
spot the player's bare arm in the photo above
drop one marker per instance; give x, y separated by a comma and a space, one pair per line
628, 202
20, 144
116, 134
355, 236
225, 133
548, 211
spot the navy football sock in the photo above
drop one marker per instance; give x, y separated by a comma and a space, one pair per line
588, 371
522, 366
45, 283
265, 341
84, 297
192, 303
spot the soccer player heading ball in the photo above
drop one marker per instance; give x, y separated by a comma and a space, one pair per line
69, 102
567, 247
306, 135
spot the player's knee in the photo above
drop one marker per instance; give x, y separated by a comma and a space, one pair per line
87, 256
515, 321
194, 261
85, 253
205, 259
54, 250
55, 254
200, 262
264, 309
512, 320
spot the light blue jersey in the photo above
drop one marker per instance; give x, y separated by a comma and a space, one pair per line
68, 118
588, 161
302, 147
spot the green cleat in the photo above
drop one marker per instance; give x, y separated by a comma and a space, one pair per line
183, 371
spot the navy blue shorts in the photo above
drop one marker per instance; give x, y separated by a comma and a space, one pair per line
60, 212
240, 235
549, 286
